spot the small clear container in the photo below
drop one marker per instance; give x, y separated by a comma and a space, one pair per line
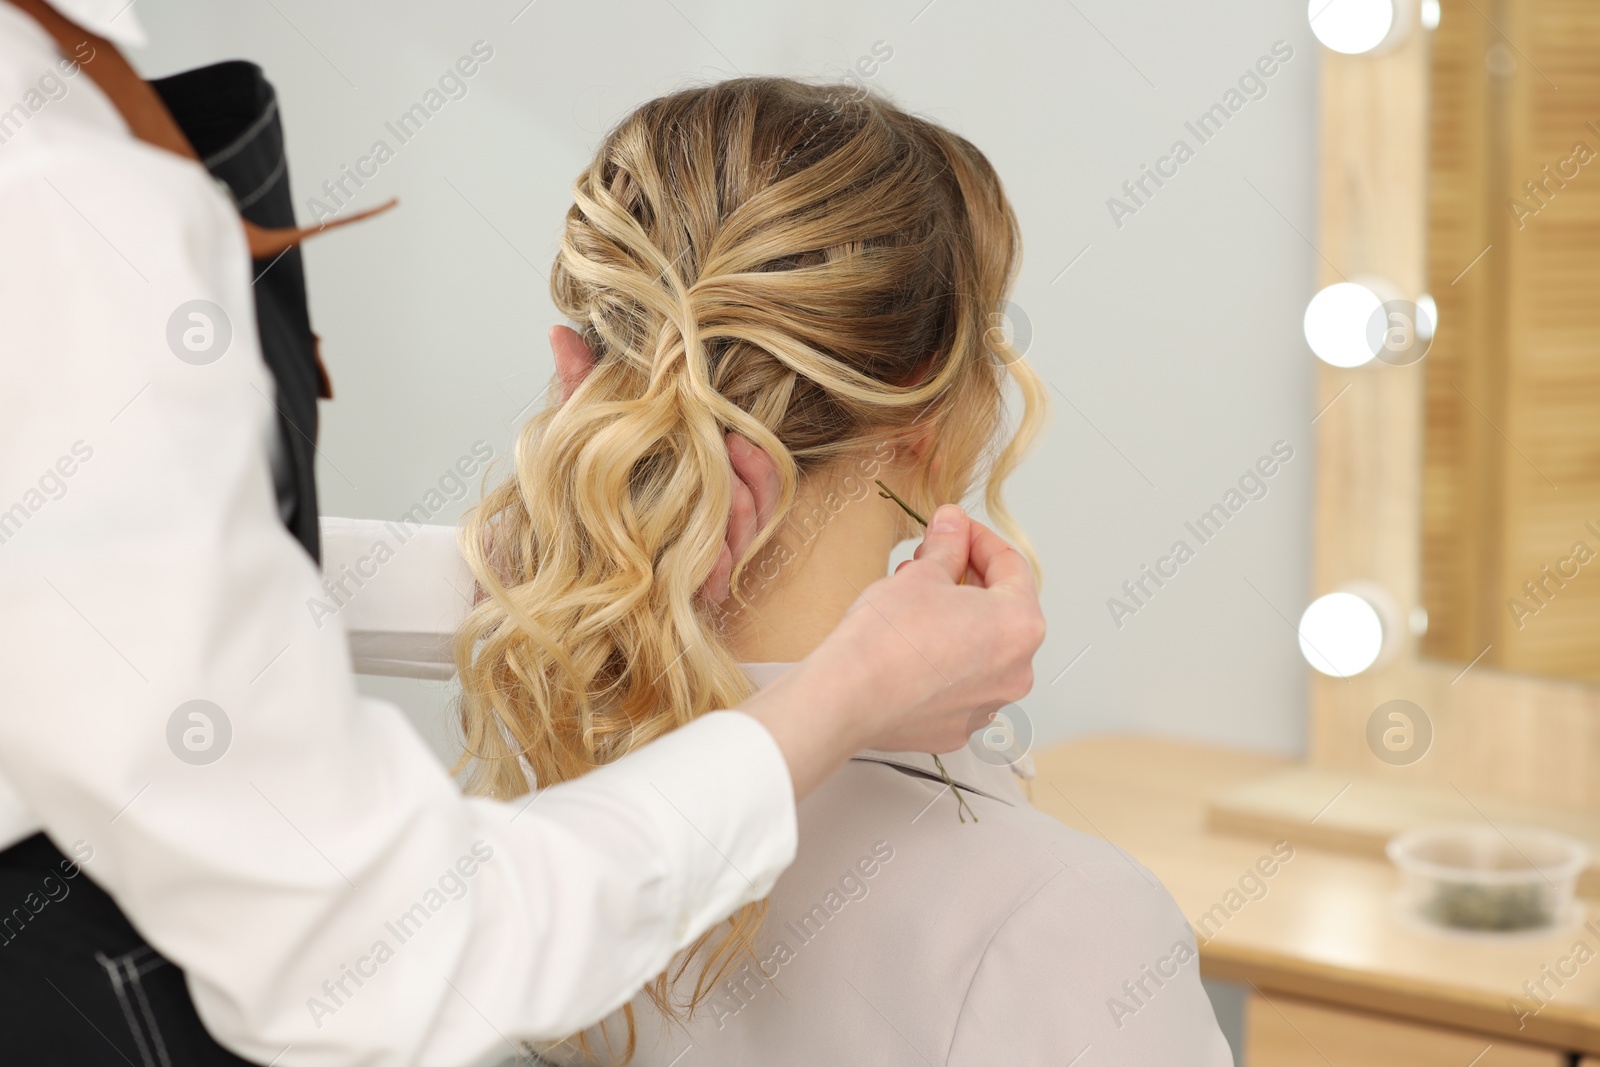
1488, 878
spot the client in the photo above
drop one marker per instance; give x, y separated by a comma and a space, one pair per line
821, 273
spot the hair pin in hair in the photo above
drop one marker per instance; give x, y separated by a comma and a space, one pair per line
961, 801
889, 494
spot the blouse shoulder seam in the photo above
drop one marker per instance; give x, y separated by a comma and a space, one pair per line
999, 927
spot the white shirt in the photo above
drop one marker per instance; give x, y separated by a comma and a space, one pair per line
143, 566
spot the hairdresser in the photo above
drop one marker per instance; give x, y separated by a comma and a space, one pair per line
212, 849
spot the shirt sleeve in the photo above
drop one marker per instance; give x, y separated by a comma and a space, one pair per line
1096, 966
180, 718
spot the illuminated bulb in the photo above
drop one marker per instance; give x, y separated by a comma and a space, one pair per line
1341, 634
1351, 26
1336, 324
1418, 620
1427, 317
1430, 14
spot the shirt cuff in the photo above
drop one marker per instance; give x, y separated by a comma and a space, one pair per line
723, 784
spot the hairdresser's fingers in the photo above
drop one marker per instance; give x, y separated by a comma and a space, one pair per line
759, 473
573, 358
946, 546
972, 575
996, 564
991, 552
972, 578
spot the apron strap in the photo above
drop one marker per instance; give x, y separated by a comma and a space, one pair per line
149, 120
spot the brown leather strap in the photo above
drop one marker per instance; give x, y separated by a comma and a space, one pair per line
150, 121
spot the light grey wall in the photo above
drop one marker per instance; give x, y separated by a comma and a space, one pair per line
1171, 340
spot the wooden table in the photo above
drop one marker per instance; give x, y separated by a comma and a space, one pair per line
1331, 966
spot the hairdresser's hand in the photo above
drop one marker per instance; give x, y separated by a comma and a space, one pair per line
959, 652
755, 483
918, 662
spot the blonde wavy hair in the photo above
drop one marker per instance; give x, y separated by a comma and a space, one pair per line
806, 265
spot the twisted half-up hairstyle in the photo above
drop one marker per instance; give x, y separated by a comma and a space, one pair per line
806, 265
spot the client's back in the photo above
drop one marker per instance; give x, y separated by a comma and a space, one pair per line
823, 274
904, 936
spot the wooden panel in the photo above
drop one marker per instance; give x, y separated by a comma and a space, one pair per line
1512, 424
1283, 1032
1554, 338
1519, 736
1462, 453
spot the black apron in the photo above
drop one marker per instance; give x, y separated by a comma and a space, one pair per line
79, 987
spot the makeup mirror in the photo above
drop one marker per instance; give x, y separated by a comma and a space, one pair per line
1510, 509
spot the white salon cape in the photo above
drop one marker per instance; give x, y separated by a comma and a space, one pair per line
143, 566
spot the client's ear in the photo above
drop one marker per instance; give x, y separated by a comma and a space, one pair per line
574, 361
919, 440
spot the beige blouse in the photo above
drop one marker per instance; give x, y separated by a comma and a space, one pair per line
901, 935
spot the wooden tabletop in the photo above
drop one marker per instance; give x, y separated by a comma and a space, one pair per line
1323, 926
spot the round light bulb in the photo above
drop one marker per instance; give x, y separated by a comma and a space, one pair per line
1427, 316
1341, 634
1351, 26
1336, 324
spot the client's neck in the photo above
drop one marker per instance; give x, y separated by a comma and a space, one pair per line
835, 543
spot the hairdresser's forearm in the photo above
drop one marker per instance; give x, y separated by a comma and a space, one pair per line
238, 853
819, 719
